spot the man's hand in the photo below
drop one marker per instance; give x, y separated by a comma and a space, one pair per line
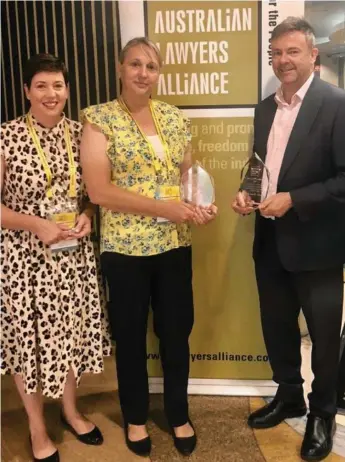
243, 204
276, 205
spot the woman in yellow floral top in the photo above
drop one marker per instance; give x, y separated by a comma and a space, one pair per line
134, 151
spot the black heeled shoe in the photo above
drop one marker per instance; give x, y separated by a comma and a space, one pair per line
52, 458
185, 444
93, 438
140, 448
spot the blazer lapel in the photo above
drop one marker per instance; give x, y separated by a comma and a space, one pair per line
265, 127
305, 119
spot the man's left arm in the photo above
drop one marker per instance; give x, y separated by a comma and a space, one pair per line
308, 200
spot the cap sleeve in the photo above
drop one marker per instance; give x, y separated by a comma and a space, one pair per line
4, 143
185, 127
99, 116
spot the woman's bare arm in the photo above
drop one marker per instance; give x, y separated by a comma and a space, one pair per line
97, 176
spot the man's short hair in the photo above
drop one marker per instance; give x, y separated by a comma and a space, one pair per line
292, 24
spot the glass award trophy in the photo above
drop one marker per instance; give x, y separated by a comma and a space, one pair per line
255, 179
197, 186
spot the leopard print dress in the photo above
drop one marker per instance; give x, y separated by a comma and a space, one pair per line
52, 303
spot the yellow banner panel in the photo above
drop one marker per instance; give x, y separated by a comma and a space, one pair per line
210, 52
227, 340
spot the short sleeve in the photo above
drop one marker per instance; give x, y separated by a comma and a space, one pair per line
185, 126
3, 149
99, 116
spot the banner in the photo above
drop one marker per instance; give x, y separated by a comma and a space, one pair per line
226, 341
204, 65
217, 68
273, 12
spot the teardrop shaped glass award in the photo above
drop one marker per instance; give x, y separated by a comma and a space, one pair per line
197, 186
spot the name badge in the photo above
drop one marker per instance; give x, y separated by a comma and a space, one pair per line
65, 218
68, 219
167, 193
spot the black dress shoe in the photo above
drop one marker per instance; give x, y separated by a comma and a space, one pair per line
318, 438
185, 444
94, 437
275, 412
141, 447
52, 458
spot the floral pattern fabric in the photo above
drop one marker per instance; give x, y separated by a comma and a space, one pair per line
133, 168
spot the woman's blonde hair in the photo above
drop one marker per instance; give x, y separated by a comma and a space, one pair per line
141, 41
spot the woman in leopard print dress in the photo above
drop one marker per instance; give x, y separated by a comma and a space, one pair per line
53, 325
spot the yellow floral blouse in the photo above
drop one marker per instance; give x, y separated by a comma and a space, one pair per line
133, 169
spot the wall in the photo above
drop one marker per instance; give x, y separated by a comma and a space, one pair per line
83, 34
329, 69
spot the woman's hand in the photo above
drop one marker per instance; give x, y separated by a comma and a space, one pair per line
204, 215
82, 227
177, 211
49, 232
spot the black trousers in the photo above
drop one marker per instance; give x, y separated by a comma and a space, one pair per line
282, 294
165, 282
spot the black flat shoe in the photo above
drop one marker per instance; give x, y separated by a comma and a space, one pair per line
318, 438
140, 448
275, 412
94, 437
185, 445
52, 458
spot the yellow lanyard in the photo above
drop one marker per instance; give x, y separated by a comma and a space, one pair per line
43, 158
156, 163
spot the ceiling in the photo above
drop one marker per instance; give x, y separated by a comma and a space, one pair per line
327, 19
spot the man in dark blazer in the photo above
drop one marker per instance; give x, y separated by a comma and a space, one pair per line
299, 245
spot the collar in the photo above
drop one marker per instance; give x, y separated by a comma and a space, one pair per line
297, 97
57, 130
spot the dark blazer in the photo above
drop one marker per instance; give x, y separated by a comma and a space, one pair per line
341, 380
311, 235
